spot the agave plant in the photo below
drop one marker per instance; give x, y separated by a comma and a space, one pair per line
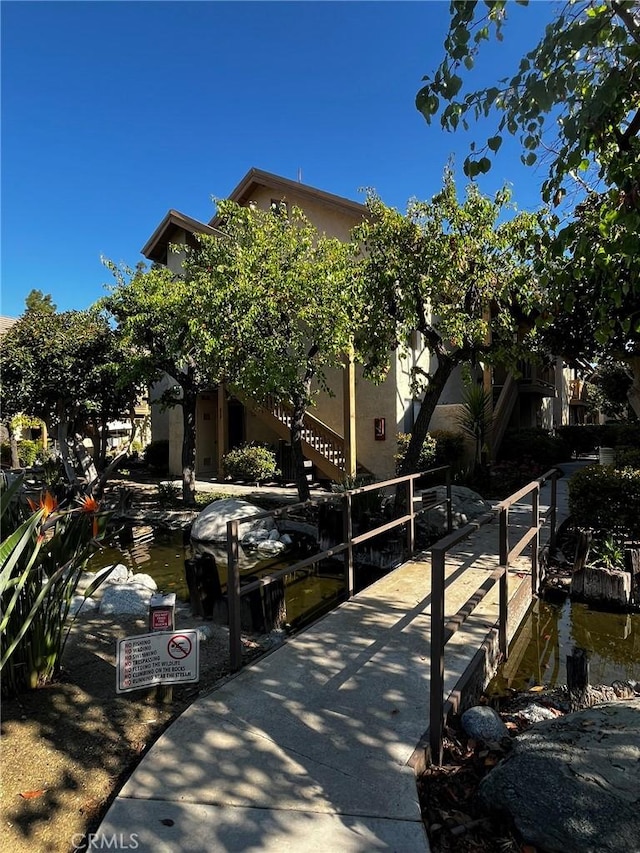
41, 559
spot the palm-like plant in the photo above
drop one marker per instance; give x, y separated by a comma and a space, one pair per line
42, 556
475, 418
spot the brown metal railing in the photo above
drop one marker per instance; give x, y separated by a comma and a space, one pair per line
234, 589
442, 632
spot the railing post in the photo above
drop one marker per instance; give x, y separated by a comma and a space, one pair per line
503, 605
347, 530
554, 510
233, 596
535, 542
411, 527
436, 686
449, 501
503, 538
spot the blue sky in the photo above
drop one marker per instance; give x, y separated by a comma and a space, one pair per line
114, 112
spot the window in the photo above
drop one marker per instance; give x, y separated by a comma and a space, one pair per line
279, 206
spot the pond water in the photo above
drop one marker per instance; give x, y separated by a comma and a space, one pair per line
162, 554
539, 651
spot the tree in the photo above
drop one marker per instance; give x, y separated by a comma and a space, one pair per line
611, 381
575, 100
285, 296
592, 275
453, 272
63, 368
163, 321
36, 300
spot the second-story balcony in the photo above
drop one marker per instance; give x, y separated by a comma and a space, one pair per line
577, 392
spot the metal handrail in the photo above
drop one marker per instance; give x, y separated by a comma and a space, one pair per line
441, 633
234, 589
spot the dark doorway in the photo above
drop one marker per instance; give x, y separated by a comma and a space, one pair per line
236, 423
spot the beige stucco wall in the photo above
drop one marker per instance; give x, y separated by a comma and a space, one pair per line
160, 419
328, 220
176, 259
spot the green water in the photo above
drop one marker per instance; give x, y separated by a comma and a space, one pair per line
161, 554
538, 653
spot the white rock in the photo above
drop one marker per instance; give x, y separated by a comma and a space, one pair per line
124, 599
88, 605
286, 539
274, 535
536, 713
269, 548
119, 575
205, 632
140, 579
254, 537
211, 523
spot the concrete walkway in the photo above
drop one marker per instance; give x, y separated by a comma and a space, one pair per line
308, 749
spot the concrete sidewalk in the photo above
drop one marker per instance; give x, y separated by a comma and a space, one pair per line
308, 749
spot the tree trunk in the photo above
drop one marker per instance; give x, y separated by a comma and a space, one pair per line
297, 424
63, 442
435, 388
189, 400
634, 392
13, 441
102, 435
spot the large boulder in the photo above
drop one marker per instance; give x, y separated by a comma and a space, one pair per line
466, 506
125, 599
483, 723
211, 523
572, 783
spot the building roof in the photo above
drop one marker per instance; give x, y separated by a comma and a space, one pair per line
257, 178
155, 249
6, 323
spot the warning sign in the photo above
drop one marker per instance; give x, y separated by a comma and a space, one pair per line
164, 657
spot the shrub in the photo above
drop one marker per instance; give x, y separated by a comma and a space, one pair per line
156, 455
606, 498
450, 448
427, 452
168, 493
534, 446
581, 438
628, 457
28, 452
251, 462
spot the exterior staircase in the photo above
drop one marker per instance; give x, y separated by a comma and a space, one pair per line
503, 410
320, 444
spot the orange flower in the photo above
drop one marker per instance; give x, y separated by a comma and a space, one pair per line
89, 504
47, 502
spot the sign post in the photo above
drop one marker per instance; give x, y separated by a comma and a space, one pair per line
162, 617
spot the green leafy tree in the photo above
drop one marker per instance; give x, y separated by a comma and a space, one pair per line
453, 272
41, 302
163, 323
64, 368
283, 297
592, 277
574, 103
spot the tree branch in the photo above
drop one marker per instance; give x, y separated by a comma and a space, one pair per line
627, 19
